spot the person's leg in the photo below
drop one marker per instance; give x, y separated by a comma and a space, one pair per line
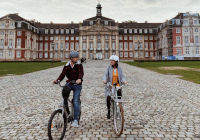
76, 98
108, 106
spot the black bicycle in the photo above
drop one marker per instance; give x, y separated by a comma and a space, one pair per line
60, 120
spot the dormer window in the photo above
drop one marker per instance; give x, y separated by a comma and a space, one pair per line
57, 31
72, 31
91, 22
46, 31
67, 31
52, 31
178, 21
130, 31
150, 31
106, 22
11, 24
62, 31
125, 31
19, 24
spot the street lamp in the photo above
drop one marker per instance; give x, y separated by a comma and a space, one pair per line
139, 46
52, 44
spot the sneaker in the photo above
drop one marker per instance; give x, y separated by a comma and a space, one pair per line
74, 123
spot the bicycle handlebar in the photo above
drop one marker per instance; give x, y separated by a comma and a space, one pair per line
70, 82
109, 84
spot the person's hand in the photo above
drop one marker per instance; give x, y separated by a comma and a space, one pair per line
104, 82
125, 82
78, 81
54, 81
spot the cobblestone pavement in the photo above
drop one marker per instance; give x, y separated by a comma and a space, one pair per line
158, 107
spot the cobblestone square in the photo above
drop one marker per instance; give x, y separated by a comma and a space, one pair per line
158, 107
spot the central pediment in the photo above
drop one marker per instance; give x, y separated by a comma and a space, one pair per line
98, 28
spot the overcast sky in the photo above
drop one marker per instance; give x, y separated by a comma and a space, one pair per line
65, 11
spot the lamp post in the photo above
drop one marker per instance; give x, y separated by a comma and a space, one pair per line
53, 52
138, 45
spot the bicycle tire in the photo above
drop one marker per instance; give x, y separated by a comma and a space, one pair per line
118, 132
50, 125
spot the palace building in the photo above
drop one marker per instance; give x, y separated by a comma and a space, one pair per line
99, 37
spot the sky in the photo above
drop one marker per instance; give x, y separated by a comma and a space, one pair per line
65, 11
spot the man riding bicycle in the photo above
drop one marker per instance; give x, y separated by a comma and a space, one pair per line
73, 71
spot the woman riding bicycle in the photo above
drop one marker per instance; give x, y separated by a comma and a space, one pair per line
113, 74
73, 70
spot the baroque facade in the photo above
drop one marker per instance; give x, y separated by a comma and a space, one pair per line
98, 38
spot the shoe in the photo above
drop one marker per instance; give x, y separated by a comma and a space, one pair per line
74, 123
108, 115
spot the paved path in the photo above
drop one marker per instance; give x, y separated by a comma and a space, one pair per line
158, 106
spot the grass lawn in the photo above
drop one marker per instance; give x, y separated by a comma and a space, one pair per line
189, 70
25, 67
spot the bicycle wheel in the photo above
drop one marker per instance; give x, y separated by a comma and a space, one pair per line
57, 125
118, 119
111, 108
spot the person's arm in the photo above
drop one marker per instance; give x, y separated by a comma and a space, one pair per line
62, 75
81, 73
105, 76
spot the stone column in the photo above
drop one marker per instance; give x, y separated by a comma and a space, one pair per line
103, 46
80, 46
110, 42
95, 46
117, 45
87, 47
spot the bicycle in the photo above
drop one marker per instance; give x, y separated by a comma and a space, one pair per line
57, 129
116, 109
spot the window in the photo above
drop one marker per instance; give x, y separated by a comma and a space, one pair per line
178, 40
146, 54
185, 22
52, 30
178, 50
130, 38
51, 38
140, 37
61, 38
113, 45
197, 50
106, 45
84, 37
46, 55
10, 54
121, 54
67, 46
1, 54
130, 31
56, 38
41, 46
46, 38
186, 40
150, 31
145, 31
77, 45
130, 45
91, 22
72, 31
125, 31
46, 46
10, 42
19, 24
77, 38
72, 46
67, 38
18, 54
40, 55
113, 37
135, 30
146, 45
91, 37
196, 22
19, 33
98, 45
106, 22
62, 31
67, 31
61, 55
140, 31
136, 54
106, 37
146, 38
125, 38
151, 54
91, 45
130, 54
135, 37
11, 24
57, 31
61, 46
19, 42
125, 54
106, 55
56, 55
120, 45
72, 38
98, 37
84, 46
41, 38
187, 51
151, 45
186, 30
2, 42
125, 45
11, 32
178, 30
66, 55
51, 55
196, 30
151, 37
177, 21
197, 39
46, 31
